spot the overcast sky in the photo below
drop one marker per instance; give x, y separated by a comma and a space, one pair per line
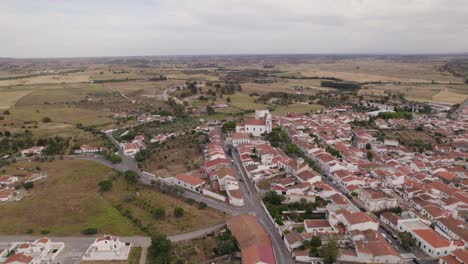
75, 28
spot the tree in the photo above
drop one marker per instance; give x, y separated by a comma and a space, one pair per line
226, 247
89, 231
368, 146
46, 119
329, 252
228, 99
130, 176
28, 185
369, 155
178, 212
407, 241
105, 185
160, 249
210, 110
316, 241
159, 213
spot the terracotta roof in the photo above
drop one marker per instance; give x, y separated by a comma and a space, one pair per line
254, 242
215, 162
255, 122
391, 217
240, 136
194, 181
22, 258
357, 218
317, 223
432, 238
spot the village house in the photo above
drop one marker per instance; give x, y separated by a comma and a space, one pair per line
376, 200
319, 227
40, 251
189, 182
86, 149
240, 138
107, 248
5, 195
33, 151
7, 180
130, 149
459, 256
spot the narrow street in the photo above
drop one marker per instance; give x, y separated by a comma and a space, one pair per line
253, 201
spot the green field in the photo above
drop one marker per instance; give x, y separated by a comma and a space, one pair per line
297, 108
68, 201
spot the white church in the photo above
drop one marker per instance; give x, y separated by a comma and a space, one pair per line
257, 126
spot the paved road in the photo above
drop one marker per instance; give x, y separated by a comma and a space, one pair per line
253, 201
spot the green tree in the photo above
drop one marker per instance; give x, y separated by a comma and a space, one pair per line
28, 185
407, 241
159, 213
131, 176
105, 185
160, 249
329, 252
316, 241
178, 212
370, 156
226, 247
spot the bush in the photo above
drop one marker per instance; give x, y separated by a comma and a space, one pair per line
159, 213
131, 176
160, 249
178, 212
46, 119
105, 185
202, 205
45, 232
28, 185
89, 231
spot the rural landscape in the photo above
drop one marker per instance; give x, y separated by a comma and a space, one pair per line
142, 147
234, 132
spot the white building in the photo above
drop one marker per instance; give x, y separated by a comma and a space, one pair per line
262, 123
376, 200
107, 248
189, 182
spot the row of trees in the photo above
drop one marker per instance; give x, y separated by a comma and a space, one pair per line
340, 85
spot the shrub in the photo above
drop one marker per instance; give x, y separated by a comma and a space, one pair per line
105, 185
46, 119
45, 232
178, 212
159, 213
28, 185
89, 231
202, 205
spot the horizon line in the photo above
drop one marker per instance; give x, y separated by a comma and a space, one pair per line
251, 54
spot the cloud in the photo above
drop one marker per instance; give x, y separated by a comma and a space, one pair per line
54, 28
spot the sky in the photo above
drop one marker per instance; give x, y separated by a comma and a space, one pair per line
88, 28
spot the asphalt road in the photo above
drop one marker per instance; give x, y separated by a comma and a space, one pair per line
253, 201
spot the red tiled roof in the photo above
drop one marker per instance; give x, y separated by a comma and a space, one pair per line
22, 258
432, 238
194, 181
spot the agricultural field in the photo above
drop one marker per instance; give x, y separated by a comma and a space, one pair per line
71, 190
179, 155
